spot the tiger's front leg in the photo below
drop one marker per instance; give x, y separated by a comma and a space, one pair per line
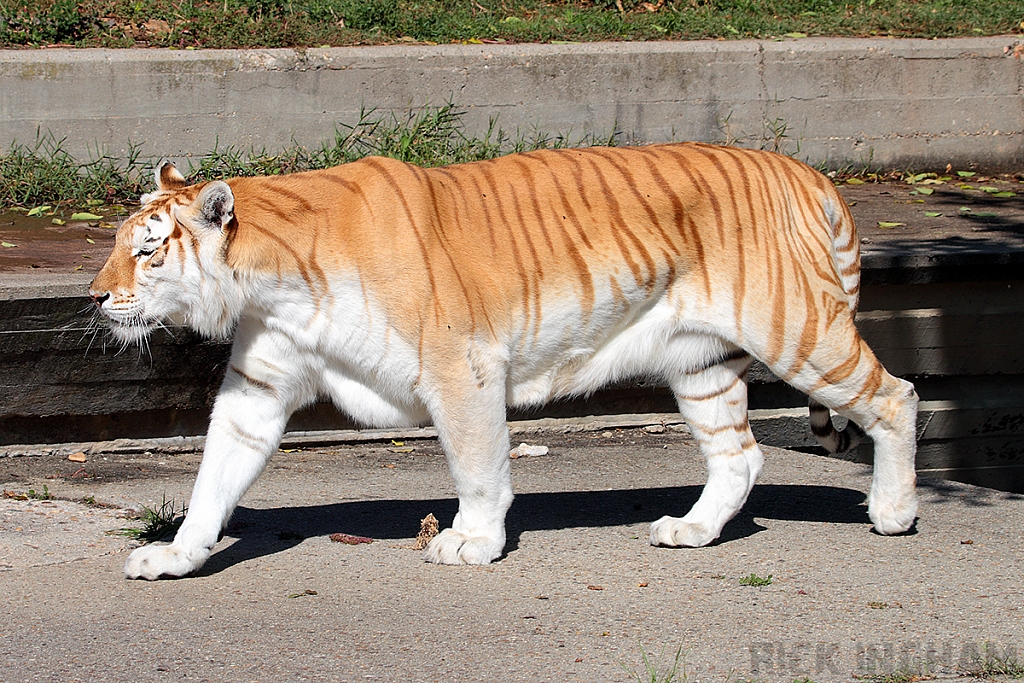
261, 388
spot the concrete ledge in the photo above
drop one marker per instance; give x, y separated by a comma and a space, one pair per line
894, 103
15, 286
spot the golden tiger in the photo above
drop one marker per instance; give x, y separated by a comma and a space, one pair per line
444, 295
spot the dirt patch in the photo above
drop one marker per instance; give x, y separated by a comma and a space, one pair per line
39, 246
988, 210
60, 472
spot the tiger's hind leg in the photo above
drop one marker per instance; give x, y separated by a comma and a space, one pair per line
844, 374
714, 404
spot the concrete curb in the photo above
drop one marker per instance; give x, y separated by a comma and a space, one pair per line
894, 103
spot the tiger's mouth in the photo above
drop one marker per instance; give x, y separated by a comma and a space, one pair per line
131, 329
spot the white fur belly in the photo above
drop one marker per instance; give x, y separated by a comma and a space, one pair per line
654, 344
372, 405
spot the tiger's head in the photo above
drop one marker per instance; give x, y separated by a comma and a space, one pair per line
168, 262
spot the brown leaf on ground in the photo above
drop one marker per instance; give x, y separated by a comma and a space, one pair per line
428, 529
156, 27
349, 539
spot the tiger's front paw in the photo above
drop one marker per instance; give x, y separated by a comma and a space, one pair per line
153, 562
675, 533
453, 547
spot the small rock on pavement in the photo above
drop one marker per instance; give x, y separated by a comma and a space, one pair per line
523, 450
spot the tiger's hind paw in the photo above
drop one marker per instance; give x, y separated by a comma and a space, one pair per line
895, 517
675, 533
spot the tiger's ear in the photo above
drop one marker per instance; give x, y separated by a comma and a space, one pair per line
212, 209
168, 177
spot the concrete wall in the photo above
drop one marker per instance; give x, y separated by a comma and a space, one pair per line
896, 103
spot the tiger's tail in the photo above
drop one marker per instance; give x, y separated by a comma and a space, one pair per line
833, 440
845, 248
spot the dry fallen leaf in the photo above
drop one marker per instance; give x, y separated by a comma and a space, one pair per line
428, 529
349, 539
157, 26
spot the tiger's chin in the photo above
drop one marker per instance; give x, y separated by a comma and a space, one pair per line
136, 332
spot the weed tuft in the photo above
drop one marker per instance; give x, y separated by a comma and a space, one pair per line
898, 676
755, 580
39, 495
45, 173
31, 495
654, 671
994, 663
157, 523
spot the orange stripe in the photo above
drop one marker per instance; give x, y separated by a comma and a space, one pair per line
390, 180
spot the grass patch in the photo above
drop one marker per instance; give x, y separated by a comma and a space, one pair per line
755, 580
31, 495
157, 523
893, 677
996, 663
989, 662
303, 23
43, 180
44, 174
659, 671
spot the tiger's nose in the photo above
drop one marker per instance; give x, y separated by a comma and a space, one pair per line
99, 297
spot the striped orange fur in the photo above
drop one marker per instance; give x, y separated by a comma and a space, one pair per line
446, 294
